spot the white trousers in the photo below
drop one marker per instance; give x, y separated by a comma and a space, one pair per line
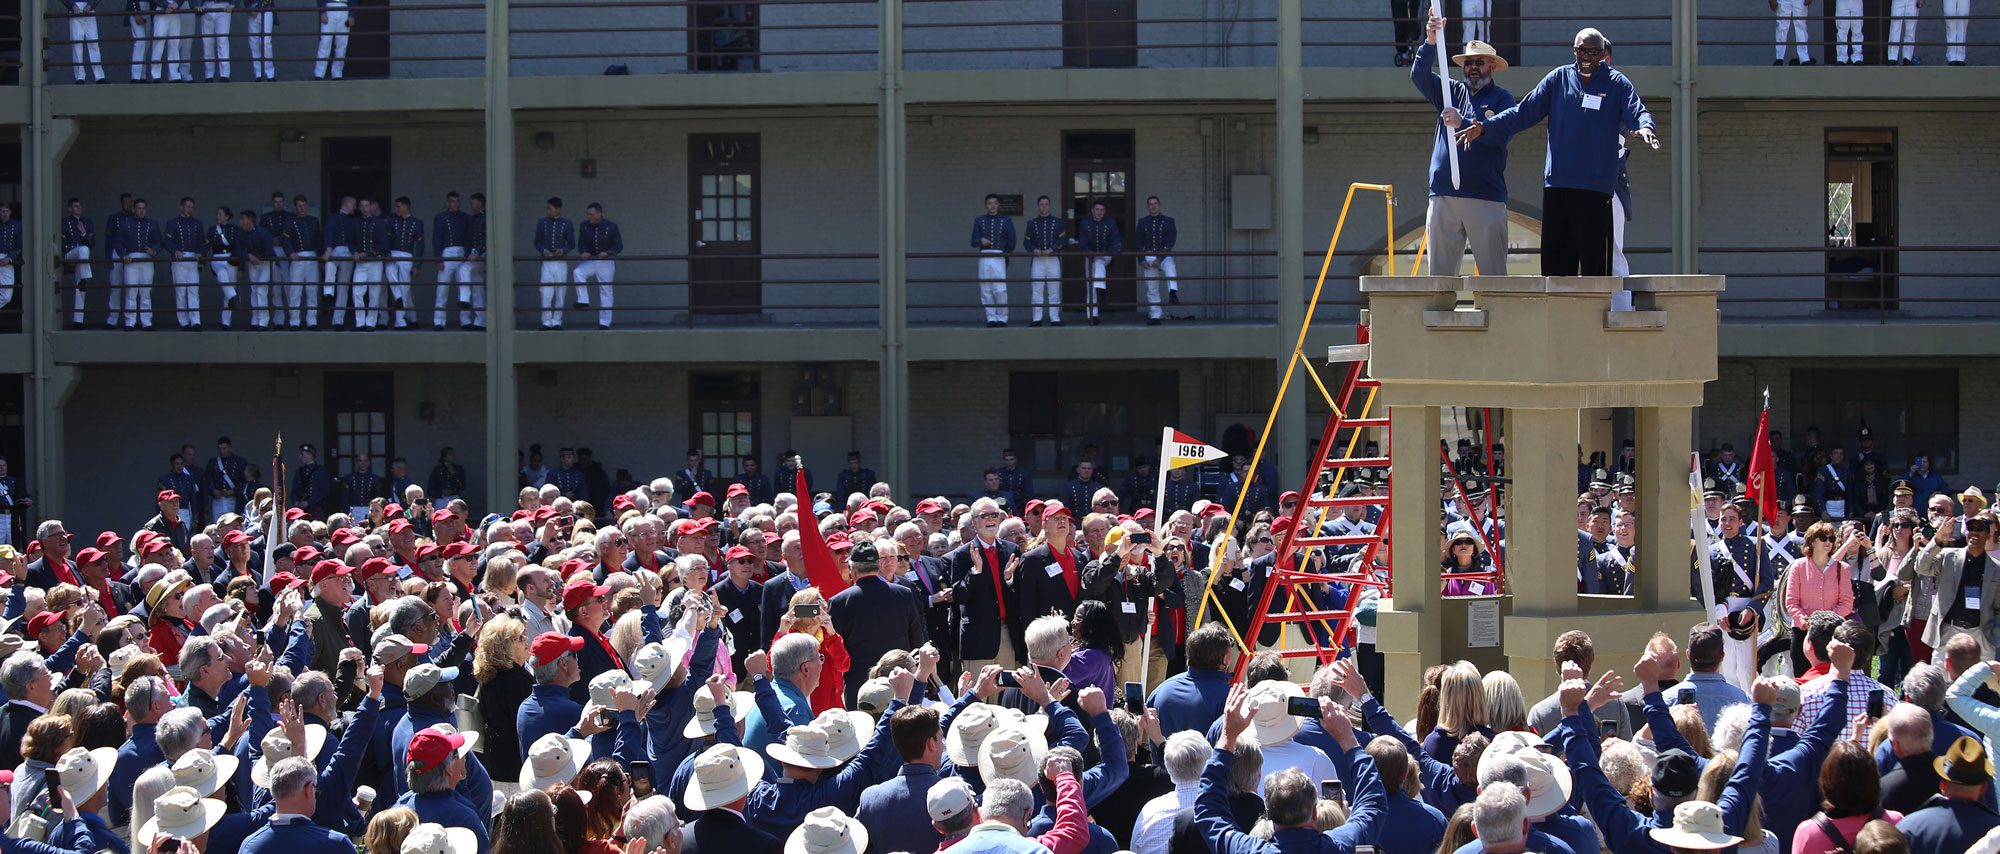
225, 278
1792, 18
186, 271
1045, 287
1902, 30
138, 291
605, 272
215, 23
1153, 275
447, 274
83, 42
554, 275
472, 292
258, 275
1954, 29
333, 42
169, 47
1098, 266
1847, 31
6, 285
142, 38
302, 295
367, 294
80, 271
398, 270
339, 271
262, 64
1472, 18
993, 285
1619, 266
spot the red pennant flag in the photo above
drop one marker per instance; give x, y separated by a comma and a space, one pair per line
1763, 488
821, 567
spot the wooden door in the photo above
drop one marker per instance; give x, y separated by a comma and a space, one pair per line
1097, 167
725, 276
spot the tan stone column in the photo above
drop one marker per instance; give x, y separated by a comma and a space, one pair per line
1410, 632
1541, 570
1665, 437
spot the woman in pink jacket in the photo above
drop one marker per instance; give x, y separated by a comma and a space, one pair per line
1820, 581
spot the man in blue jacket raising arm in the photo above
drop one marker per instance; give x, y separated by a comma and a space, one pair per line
1474, 208
1588, 105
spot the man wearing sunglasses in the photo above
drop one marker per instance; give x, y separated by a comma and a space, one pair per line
1967, 584
1475, 208
1589, 106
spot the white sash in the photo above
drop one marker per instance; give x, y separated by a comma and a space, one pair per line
1835, 476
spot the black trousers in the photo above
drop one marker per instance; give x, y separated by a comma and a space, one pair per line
1409, 16
1576, 232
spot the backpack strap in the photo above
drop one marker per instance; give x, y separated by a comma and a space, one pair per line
1826, 826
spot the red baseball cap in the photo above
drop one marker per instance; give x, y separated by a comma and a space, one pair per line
344, 537
544, 513
571, 567
880, 507
430, 747
622, 503
155, 547
1033, 505
1288, 495
108, 539
399, 525
329, 568
167, 495
1214, 510
709, 524
1143, 514
839, 542
861, 518
427, 551
931, 505
738, 553
685, 527
235, 538
283, 581
1281, 524
442, 514
375, 566
89, 556
549, 646
455, 550
391, 509
305, 555
143, 537
1055, 509
580, 590
518, 515
701, 498
736, 489
294, 514
42, 622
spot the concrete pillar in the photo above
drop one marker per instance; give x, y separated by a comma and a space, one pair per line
1541, 570
1409, 625
1685, 186
502, 384
893, 452
1665, 438
1289, 433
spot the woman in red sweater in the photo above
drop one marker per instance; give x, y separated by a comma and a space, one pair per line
832, 650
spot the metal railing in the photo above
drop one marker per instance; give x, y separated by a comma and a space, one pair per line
820, 289
1735, 34
652, 37
406, 39
1641, 31
1215, 287
1020, 34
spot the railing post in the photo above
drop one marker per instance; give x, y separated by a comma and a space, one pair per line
1289, 430
1686, 190
502, 387
891, 148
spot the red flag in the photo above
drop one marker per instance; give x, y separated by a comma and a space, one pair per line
821, 567
1763, 488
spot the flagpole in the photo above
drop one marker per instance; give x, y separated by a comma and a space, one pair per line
1159, 524
1445, 95
1698, 530
272, 533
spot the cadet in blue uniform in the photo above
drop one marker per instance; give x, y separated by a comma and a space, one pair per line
451, 230
1744, 574
850, 480
370, 242
568, 479
472, 274
1475, 209
362, 485
1017, 482
139, 243
276, 222
78, 238
1157, 235
83, 38
219, 246
406, 241
993, 236
312, 487
305, 242
262, 25
555, 238
254, 253
10, 252
1044, 238
338, 257
1101, 240
598, 240
215, 25
333, 27
1588, 106
185, 240
115, 282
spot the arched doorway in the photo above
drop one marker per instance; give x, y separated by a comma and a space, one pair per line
1524, 232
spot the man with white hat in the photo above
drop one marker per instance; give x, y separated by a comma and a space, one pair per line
439, 761
85, 774
294, 785
675, 678
182, 814
554, 759
1698, 826
810, 751
433, 704
827, 830
720, 791
1474, 208
1274, 727
438, 839
1291, 797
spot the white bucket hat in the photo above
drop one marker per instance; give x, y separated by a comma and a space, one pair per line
554, 759
979, 721
1013, 753
722, 773
278, 746
430, 838
1549, 779
655, 663
806, 746
603, 687
1273, 722
1697, 827
843, 731
702, 724
83, 771
204, 771
180, 812
827, 831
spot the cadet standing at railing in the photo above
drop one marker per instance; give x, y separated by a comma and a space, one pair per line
138, 243
220, 250
114, 282
451, 230
406, 241
169, 41
597, 238
1847, 32
83, 39
993, 236
472, 273
1157, 235
216, 18
10, 253
255, 252
333, 27
138, 16
78, 237
261, 22
305, 241
339, 243
370, 241
274, 221
1792, 16
1101, 241
554, 238
185, 241
1044, 237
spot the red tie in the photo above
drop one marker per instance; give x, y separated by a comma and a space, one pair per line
992, 555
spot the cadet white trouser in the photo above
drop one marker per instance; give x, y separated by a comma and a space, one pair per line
225, 278
215, 23
187, 288
472, 291
141, 39
302, 297
1472, 18
1619, 266
1152, 276
258, 274
169, 48
6, 285
261, 57
1045, 287
554, 275
367, 294
1902, 30
339, 271
83, 42
1792, 19
332, 41
1954, 29
1847, 31
993, 285
447, 274
138, 291
1099, 267
605, 272
399, 267
79, 270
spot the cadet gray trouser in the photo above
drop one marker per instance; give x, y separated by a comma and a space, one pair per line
1452, 221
